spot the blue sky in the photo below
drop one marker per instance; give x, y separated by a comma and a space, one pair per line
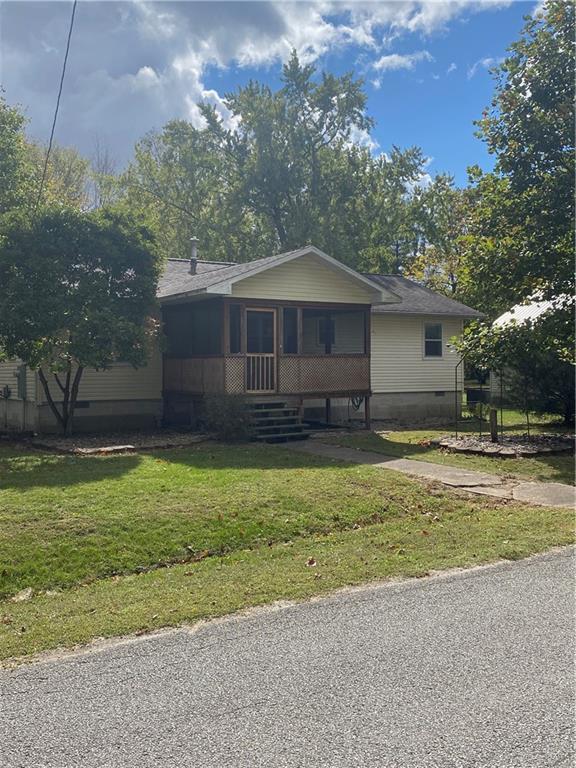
135, 65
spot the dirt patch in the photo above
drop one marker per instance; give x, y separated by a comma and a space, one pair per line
116, 442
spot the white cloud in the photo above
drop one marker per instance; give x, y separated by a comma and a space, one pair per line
539, 7
484, 63
394, 61
135, 65
451, 68
362, 138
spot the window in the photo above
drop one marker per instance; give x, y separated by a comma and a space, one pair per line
432, 340
290, 331
326, 332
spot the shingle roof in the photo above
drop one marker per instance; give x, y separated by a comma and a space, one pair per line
177, 279
417, 300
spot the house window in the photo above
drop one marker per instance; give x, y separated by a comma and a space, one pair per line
432, 339
290, 331
326, 332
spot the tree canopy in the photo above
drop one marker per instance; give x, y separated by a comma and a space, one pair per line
78, 290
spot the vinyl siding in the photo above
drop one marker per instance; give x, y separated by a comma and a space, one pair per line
398, 363
120, 382
304, 279
8, 370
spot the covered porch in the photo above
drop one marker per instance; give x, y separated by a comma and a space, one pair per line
266, 348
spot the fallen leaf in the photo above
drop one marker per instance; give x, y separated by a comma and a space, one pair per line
23, 595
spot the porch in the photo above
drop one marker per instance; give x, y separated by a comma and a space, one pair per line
267, 348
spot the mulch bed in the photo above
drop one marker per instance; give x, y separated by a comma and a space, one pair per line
509, 445
116, 442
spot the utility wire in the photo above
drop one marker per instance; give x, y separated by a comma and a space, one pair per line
57, 105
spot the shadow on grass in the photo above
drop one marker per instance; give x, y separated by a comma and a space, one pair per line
22, 468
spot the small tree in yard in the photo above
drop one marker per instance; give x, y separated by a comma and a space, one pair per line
532, 357
78, 290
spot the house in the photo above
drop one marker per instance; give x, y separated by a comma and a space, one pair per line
299, 327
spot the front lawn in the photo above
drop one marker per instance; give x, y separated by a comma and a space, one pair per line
118, 544
414, 444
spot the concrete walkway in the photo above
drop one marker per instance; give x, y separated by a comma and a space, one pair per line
541, 494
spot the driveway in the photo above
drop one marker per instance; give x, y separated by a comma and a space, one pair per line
473, 668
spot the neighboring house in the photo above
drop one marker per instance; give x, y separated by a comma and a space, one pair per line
299, 327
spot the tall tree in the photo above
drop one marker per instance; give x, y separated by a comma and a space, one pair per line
441, 212
388, 210
68, 175
524, 227
16, 171
283, 140
78, 290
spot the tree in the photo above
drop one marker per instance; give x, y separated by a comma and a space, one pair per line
68, 175
389, 215
16, 172
538, 378
283, 141
441, 211
78, 290
523, 234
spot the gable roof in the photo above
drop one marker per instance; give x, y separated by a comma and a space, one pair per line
417, 300
218, 277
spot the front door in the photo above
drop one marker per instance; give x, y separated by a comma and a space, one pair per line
260, 350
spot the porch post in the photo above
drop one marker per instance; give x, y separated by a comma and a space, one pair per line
225, 327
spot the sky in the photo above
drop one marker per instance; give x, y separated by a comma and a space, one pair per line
135, 65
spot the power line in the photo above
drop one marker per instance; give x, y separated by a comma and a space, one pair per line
57, 104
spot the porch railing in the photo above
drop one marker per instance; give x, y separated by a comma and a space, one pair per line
260, 372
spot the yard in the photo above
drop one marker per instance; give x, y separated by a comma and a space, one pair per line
415, 444
129, 543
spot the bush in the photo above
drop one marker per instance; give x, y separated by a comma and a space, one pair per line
226, 417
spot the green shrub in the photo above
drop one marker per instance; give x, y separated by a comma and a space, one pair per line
226, 417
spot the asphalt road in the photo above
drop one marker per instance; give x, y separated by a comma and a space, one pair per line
470, 669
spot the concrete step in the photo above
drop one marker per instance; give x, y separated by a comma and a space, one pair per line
274, 419
267, 406
268, 428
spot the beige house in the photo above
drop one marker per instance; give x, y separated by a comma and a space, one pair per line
299, 329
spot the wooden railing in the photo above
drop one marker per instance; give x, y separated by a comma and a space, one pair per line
263, 373
260, 373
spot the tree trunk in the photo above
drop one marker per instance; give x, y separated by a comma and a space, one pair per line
69, 389
73, 398
49, 398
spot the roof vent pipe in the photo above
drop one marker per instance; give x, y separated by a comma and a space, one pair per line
193, 255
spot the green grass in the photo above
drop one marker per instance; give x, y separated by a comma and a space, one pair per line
412, 444
119, 544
